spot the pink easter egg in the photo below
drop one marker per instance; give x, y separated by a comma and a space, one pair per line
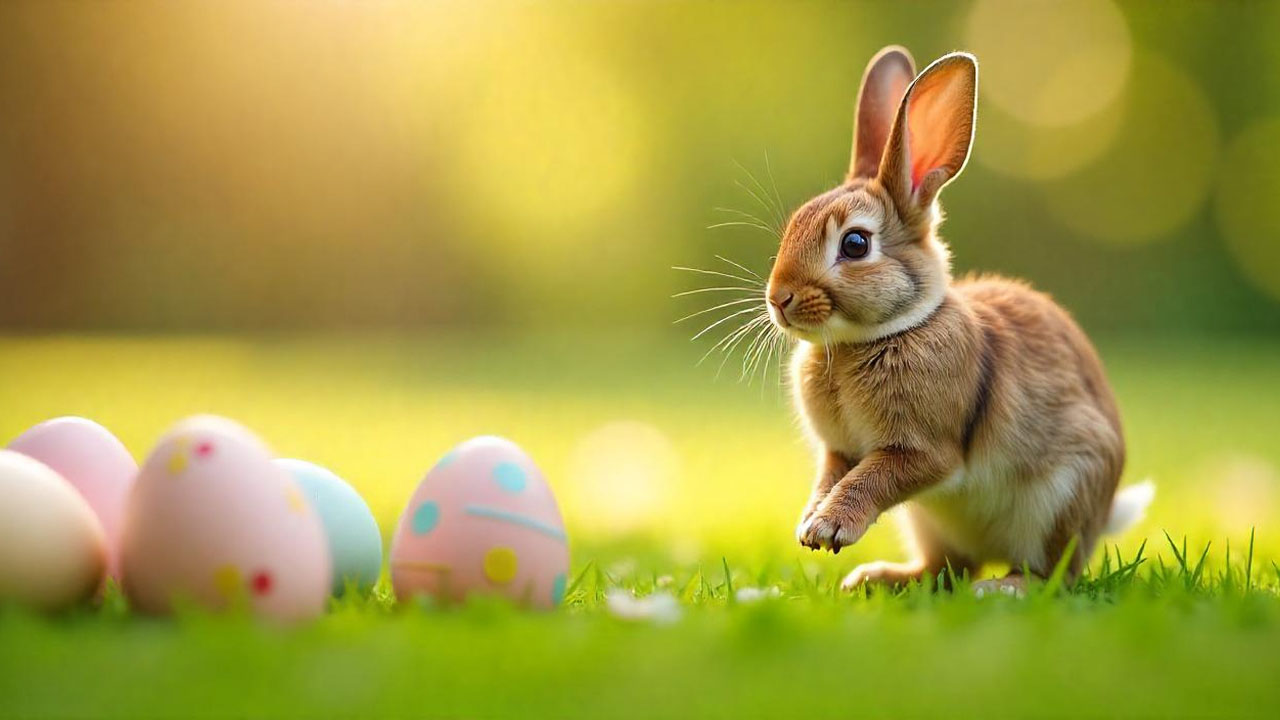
96, 464
482, 521
212, 520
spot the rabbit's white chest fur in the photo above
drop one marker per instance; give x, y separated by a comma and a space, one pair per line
845, 428
987, 512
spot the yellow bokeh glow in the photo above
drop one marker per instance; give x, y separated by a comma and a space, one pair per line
621, 478
552, 142
1160, 172
1244, 495
1246, 204
1050, 63
1040, 152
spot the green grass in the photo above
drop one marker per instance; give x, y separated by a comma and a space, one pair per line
1179, 626
1133, 639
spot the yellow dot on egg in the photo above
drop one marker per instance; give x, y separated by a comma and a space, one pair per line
227, 580
500, 565
178, 460
296, 502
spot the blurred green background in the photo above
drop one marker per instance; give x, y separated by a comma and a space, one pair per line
371, 230
225, 166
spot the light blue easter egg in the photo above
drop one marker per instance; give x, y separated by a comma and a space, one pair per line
355, 542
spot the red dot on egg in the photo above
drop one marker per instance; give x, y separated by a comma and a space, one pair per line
204, 449
261, 582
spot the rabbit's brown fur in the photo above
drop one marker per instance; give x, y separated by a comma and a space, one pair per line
980, 404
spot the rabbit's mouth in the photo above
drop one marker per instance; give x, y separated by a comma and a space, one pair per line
803, 313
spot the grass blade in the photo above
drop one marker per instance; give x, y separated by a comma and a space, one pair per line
1058, 577
577, 581
1248, 563
1195, 575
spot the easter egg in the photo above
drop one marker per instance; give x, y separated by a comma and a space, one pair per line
482, 521
96, 464
355, 543
212, 520
52, 548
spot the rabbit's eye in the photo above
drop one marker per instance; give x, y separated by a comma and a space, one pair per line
855, 244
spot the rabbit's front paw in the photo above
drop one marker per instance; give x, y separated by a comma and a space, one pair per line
832, 527
805, 516
890, 574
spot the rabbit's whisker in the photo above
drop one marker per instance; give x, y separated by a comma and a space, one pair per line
768, 168
741, 267
752, 219
758, 301
826, 347
776, 222
766, 356
730, 340
717, 273
752, 354
746, 332
742, 213
739, 335
742, 223
776, 210
778, 348
716, 289
721, 321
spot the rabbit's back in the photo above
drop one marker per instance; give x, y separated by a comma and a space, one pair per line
1041, 348
1044, 449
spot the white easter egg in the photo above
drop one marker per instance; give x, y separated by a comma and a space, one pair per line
96, 464
52, 548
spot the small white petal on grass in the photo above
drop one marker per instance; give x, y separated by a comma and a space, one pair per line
661, 608
665, 581
754, 594
985, 588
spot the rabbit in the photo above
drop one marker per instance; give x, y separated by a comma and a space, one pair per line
979, 405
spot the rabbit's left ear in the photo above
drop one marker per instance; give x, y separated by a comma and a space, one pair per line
883, 84
932, 132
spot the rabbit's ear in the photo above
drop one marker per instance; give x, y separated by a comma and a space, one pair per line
883, 84
932, 132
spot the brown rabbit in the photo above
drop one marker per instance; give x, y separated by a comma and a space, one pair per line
979, 404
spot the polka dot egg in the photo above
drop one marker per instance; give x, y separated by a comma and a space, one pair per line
483, 521
213, 521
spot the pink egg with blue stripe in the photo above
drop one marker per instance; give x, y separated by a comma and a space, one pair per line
482, 521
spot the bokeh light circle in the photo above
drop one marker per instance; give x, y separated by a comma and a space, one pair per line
1039, 152
621, 476
1246, 203
1244, 491
1157, 173
1050, 63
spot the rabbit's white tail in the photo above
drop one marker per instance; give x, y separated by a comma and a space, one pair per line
1129, 507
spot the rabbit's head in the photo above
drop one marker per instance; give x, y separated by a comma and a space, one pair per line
862, 261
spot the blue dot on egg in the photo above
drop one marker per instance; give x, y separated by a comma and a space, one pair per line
557, 589
426, 517
509, 476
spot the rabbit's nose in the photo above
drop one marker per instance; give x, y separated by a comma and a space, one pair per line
781, 298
